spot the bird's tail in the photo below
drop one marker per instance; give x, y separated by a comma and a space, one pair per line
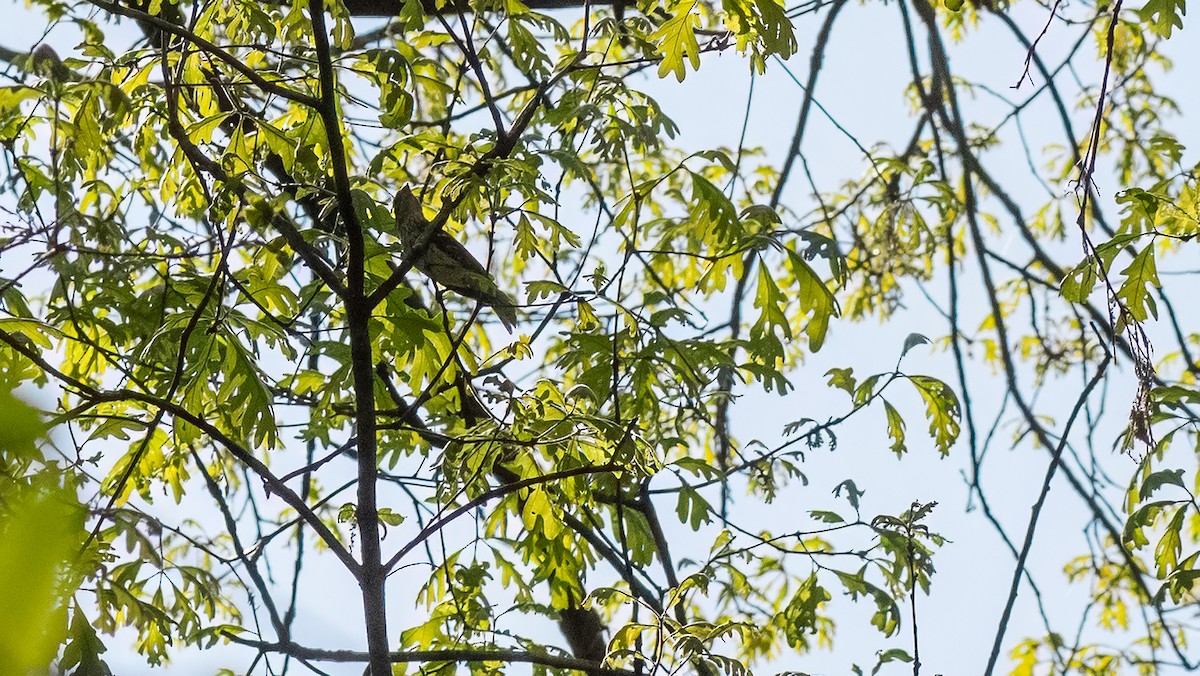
505, 307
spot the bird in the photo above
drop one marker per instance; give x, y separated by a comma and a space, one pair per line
447, 262
584, 632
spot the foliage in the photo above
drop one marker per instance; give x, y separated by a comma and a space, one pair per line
253, 373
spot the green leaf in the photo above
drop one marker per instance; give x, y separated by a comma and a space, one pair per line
825, 516
895, 428
1181, 582
852, 492
1140, 275
692, 508
21, 428
41, 530
816, 300
390, 517
1166, 552
1134, 535
676, 40
711, 208
887, 613
1078, 284
539, 514
697, 467
891, 655
801, 614
913, 340
843, 379
538, 290
771, 301
776, 32
83, 649
1163, 15
1165, 477
941, 409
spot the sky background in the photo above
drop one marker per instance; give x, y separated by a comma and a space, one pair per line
861, 86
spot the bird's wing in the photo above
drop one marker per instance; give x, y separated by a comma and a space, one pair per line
447, 262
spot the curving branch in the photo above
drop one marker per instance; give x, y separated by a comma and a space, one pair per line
272, 483
448, 655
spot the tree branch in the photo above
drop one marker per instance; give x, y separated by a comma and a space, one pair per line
450, 655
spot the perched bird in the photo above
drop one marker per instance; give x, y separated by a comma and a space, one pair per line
447, 262
584, 632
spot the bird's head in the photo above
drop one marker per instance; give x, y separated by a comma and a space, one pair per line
410, 219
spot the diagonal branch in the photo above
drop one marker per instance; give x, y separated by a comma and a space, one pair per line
270, 481
210, 48
500, 491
